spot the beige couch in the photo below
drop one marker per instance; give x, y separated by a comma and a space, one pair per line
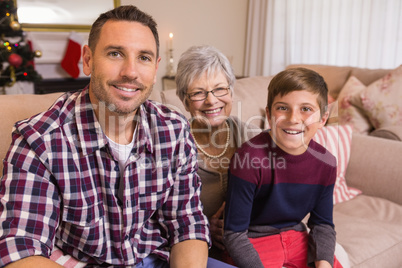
368, 226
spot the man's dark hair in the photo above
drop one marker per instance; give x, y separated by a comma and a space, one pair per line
122, 13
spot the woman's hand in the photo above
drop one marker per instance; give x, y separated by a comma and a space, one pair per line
216, 228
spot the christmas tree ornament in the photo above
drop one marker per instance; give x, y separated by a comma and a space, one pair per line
13, 77
15, 60
15, 25
38, 53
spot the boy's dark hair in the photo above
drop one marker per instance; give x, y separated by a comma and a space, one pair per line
122, 13
296, 79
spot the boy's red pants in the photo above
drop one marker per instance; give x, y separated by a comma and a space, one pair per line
287, 249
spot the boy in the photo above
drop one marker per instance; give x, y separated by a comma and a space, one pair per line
279, 177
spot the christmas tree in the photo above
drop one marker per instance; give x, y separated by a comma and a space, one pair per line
16, 55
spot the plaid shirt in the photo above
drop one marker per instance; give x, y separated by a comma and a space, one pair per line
60, 179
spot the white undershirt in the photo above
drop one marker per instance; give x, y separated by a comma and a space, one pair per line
122, 153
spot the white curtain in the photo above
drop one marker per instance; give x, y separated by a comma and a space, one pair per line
360, 33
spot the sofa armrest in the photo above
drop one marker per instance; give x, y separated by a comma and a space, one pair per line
375, 167
17, 107
391, 132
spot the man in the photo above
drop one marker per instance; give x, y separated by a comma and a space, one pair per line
106, 175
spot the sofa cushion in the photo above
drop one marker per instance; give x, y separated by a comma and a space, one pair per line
337, 140
381, 100
250, 99
171, 100
375, 167
348, 113
334, 76
390, 132
369, 229
368, 76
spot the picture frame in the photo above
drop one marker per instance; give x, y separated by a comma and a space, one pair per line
61, 15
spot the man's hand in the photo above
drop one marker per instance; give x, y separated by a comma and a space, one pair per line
189, 254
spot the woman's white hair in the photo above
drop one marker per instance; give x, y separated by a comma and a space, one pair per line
198, 60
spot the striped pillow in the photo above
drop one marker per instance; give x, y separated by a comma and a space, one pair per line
337, 140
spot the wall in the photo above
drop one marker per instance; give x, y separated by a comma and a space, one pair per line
220, 23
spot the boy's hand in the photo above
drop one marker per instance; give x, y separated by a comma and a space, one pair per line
322, 264
216, 228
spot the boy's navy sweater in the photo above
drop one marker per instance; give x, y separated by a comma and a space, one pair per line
270, 191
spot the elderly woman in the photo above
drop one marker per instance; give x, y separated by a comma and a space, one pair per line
205, 81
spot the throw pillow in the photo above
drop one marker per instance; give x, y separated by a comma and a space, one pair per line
381, 100
349, 114
337, 140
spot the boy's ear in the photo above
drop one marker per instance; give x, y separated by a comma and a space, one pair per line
268, 115
324, 119
267, 112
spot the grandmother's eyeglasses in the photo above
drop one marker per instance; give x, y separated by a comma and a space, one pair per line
203, 94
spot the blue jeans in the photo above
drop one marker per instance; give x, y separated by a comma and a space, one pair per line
153, 261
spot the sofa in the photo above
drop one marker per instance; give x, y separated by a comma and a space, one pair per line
368, 226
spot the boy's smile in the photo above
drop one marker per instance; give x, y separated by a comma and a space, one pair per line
294, 119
